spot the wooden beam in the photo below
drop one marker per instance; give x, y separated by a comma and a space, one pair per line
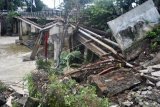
100, 42
91, 46
30, 22
36, 47
99, 36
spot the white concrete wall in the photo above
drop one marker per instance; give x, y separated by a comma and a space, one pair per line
24, 28
33, 29
145, 12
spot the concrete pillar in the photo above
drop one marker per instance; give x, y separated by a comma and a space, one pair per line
33, 29
15, 28
20, 30
57, 50
24, 26
0, 29
85, 54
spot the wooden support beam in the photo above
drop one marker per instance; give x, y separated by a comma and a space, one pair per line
99, 36
29, 22
36, 47
100, 42
91, 46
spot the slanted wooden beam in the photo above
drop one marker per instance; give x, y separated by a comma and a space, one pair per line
98, 41
99, 36
36, 47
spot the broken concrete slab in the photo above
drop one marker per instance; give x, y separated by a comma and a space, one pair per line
156, 74
158, 84
114, 82
134, 22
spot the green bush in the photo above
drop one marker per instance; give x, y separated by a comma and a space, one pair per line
151, 34
33, 92
2, 87
67, 93
45, 65
67, 59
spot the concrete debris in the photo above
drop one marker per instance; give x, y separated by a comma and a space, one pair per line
114, 82
156, 74
158, 84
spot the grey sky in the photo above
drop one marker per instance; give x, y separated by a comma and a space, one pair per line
50, 3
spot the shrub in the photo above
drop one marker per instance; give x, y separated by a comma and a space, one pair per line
33, 92
45, 65
151, 34
67, 59
67, 93
2, 87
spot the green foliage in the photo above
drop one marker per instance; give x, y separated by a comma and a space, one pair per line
45, 65
10, 5
67, 93
154, 45
10, 20
33, 92
99, 14
154, 36
42, 21
2, 87
151, 34
39, 5
67, 59
2, 3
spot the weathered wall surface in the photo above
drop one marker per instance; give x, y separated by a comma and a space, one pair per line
134, 21
24, 28
33, 29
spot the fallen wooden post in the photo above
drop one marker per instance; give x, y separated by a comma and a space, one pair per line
36, 47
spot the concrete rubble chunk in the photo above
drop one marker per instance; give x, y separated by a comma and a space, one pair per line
131, 27
156, 74
158, 84
127, 103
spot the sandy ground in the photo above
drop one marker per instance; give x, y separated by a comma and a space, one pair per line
12, 68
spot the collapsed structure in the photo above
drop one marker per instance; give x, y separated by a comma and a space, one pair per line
117, 70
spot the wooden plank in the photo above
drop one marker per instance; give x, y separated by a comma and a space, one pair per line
99, 36
91, 46
36, 47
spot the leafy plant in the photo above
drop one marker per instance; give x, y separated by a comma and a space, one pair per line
45, 65
151, 34
33, 92
67, 93
154, 46
67, 58
2, 87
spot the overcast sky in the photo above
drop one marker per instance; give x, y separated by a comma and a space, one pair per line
50, 3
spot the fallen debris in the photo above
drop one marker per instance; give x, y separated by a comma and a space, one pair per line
115, 82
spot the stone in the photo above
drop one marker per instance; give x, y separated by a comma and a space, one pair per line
158, 84
152, 55
2, 100
144, 71
127, 103
144, 92
148, 82
149, 88
150, 69
156, 74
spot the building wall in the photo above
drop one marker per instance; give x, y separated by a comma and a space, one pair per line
146, 12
